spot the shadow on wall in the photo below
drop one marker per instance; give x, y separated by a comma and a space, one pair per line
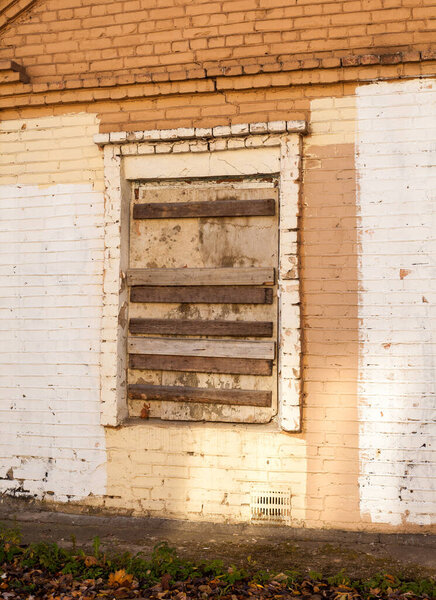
329, 280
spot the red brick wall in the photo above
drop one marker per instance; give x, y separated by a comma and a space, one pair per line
70, 38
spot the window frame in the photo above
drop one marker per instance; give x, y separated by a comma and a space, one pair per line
262, 148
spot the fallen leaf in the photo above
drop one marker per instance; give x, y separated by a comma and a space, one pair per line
120, 579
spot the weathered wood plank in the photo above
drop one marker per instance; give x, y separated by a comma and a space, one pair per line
217, 208
200, 364
202, 276
202, 294
203, 395
194, 327
193, 347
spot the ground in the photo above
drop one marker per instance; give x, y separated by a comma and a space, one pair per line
268, 548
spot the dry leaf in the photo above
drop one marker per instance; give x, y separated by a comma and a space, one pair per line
120, 579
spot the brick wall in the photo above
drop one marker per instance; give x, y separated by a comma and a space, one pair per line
84, 38
355, 440
202, 471
343, 462
329, 258
51, 253
396, 206
364, 458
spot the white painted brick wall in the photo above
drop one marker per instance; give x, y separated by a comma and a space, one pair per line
51, 255
396, 158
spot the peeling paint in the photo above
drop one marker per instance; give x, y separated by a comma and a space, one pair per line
51, 207
51, 326
396, 157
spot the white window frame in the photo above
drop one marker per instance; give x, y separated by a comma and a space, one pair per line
245, 149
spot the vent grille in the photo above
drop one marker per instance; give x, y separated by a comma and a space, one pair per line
270, 506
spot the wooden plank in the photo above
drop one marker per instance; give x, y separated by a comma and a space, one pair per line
193, 347
219, 276
200, 364
202, 294
203, 395
217, 208
194, 327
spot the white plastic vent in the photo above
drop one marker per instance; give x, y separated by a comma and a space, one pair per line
270, 506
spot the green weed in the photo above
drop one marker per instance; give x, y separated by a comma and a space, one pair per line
51, 559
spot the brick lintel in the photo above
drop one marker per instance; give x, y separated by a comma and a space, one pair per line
192, 133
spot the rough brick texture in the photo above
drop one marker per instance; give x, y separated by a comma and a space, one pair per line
51, 253
85, 38
11, 9
344, 463
365, 456
396, 205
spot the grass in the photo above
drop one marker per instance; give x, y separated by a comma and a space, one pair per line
55, 561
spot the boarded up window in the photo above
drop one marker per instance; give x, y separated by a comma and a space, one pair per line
203, 301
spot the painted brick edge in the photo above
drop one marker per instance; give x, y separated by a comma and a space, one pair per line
240, 130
